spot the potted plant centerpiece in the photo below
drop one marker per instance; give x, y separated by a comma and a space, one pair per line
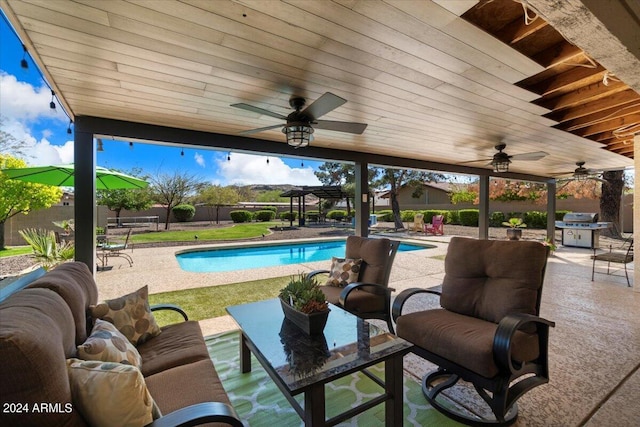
514, 232
304, 304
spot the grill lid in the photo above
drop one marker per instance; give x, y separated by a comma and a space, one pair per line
580, 217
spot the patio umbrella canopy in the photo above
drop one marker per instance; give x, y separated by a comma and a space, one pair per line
63, 176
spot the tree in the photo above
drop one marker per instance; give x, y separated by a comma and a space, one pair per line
395, 179
342, 174
128, 199
172, 190
21, 197
9, 145
612, 188
215, 196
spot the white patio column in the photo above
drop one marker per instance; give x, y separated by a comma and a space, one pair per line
636, 217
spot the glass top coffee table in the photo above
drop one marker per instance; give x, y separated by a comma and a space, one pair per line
300, 363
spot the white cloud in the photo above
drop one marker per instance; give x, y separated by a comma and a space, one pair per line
38, 151
22, 102
199, 158
251, 169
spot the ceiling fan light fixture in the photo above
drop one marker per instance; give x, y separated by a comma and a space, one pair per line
298, 134
500, 162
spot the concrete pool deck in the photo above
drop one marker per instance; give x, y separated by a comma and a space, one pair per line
594, 348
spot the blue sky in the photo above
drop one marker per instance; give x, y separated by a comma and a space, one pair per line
25, 114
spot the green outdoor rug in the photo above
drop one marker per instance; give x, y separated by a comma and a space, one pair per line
259, 402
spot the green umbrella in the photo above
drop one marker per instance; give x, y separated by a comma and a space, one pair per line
62, 176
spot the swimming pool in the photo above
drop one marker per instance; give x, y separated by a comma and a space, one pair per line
230, 259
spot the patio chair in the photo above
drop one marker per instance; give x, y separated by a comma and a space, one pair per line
436, 227
359, 282
418, 222
487, 330
110, 248
623, 255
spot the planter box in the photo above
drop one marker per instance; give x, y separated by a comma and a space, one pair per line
312, 324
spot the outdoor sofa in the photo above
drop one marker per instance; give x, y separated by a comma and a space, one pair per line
48, 325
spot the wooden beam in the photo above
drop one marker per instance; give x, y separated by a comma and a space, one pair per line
517, 30
590, 93
555, 55
632, 107
572, 79
608, 125
614, 100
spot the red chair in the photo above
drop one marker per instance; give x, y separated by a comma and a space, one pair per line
436, 226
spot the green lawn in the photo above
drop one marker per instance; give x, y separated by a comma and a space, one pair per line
205, 303
15, 250
236, 231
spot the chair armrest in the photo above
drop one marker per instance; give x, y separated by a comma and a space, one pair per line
373, 288
401, 299
198, 414
314, 273
171, 307
507, 328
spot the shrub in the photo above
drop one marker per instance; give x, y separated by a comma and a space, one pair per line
430, 213
469, 217
270, 208
535, 219
560, 215
337, 215
496, 219
385, 215
241, 216
407, 216
288, 216
454, 217
45, 249
264, 215
183, 212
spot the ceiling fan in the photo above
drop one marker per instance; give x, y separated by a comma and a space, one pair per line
501, 160
582, 174
300, 124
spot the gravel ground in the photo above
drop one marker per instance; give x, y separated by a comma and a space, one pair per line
14, 265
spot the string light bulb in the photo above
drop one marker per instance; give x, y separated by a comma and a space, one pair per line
69, 127
130, 145
52, 104
267, 160
23, 63
229, 157
182, 152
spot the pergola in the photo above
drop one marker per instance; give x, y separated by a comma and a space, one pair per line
439, 83
321, 192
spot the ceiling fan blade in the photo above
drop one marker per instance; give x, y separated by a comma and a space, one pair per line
349, 127
323, 105
476, 161
251, 131
259, 110
536, 155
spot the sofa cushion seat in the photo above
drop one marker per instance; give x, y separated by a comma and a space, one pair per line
358, 299
186, 385
178, 344
465, 340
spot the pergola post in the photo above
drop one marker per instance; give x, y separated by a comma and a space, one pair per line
85, 196
483, 218
551, 211
361, 202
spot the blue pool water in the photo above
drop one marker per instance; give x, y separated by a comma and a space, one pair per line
230, 259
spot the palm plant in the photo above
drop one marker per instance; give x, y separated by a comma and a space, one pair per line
45, 248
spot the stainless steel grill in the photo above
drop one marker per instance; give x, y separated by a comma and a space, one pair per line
581, 229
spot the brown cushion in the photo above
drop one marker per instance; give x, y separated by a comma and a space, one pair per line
107, 344
464, 340
75, 284
37, 334
343, 271
489, 279
358, 302
178, 344
185, 385
131, 314
375, 255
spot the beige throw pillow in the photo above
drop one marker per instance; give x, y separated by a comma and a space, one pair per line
109, 394
130, 314
107, 344
343, 271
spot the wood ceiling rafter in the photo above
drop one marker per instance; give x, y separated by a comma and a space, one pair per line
583, 97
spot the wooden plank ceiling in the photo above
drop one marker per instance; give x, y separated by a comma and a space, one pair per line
430, 84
